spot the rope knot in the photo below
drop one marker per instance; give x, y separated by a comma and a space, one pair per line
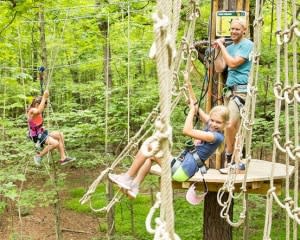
151, 146
161, 22
271, 190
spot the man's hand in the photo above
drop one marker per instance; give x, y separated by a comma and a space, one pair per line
218, 43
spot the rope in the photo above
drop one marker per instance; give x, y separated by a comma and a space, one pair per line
107, 84
128, 73
244, 135
164, 45
286, 92
53, 56
163, 130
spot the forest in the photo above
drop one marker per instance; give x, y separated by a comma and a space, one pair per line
93, 57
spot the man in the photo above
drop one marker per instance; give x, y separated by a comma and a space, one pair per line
237, 58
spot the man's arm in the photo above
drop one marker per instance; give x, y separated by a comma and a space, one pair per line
219, 62
231, 62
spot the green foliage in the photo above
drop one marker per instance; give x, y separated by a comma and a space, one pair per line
188, 218
92, 112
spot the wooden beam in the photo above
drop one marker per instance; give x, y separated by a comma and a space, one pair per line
254, 187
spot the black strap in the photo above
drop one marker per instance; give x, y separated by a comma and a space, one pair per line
198, 160
239, 101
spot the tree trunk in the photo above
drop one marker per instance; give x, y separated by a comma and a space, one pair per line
103, 26
57, 204
215, 227
111, 214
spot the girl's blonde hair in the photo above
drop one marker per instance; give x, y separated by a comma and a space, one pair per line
223, 111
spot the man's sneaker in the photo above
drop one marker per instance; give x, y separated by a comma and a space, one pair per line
238, 168
37, 160
67, 160
133, 191
123, 180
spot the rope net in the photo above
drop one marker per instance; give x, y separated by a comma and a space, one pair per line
244, 135
166, 22
287, 97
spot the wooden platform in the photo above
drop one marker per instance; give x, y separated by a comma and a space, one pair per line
258, 177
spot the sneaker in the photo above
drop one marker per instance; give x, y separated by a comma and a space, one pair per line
67, 160
133, 191
239, 168
123, 180
37, 160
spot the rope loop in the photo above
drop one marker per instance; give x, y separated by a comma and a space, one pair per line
185, 48
296, 152
193, 53
258, 21
288, 200
256, 58
161, 22
151, 213
296, 30
287, 93
151, 146
276, 138
296, 90
278, 91
271, 190
296, 211
278, 39
195, 12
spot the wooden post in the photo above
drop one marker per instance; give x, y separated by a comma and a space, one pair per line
215, 227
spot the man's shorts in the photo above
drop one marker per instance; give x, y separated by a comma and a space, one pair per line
232, 105
182, 171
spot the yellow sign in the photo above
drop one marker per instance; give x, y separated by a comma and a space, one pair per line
224, 19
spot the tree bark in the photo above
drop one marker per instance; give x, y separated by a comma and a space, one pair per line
215, 227
57, 204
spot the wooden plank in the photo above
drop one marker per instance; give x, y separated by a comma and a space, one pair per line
239, 5
258, 170
257, 188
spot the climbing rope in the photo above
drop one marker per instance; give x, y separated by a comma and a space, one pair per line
147, 127
244, 135
287, 93
107, 84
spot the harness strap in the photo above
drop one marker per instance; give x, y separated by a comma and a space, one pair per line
199, 161
176, 162
239, 101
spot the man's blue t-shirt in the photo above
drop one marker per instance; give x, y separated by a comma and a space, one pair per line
240, 74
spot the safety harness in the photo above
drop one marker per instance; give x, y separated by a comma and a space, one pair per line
35, 133
189, 148
240, 102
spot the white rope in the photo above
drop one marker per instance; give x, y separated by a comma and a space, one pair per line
244, 135
286, 91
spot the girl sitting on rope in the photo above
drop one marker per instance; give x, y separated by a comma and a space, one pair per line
184, 167
41, 136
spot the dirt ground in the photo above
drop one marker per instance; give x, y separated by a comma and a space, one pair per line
40, 223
